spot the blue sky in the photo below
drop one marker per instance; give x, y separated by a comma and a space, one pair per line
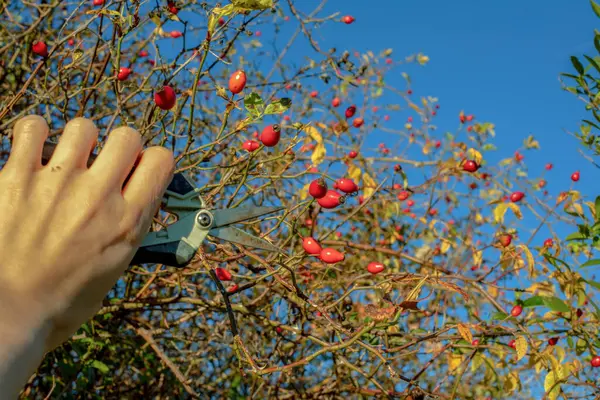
497, 60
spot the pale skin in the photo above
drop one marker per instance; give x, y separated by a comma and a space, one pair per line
67, 233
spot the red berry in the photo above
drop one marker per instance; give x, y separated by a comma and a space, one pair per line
461, 117
314, 94
279, 329
470, 118
331, 200
251, 145
237, 82
397, 168
505, 240
348, 19
579, 313
346, 185
403, 195
124, 73
40, 48
165, 98
350, 111
358, 122
512, 343
475, 342
317, 188
516, 311
223, 274
352, 154
470, 166
549, 166
552, 341
596, 361
98, 2
548, 243
331, 256
575, 176
175, 34
71, 42
233, 288
516, 196
143, 53
375, 267
336, 102
270, 135
311, 246
172, 8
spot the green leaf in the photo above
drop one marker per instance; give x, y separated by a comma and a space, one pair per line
596, 8
555, 304
577, 64
499, 316
590, 263
253, 4
597, 43
593, 62
254, 104
100, 366
593, 284
533, 302
279, 106
576, 236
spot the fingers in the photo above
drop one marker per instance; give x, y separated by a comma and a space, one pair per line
75, 145
145, 188
29, 135
116, 159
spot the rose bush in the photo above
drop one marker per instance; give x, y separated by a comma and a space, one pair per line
410, 267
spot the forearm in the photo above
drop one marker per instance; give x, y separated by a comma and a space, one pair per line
22, 346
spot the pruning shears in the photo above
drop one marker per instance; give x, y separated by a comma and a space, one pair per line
177, 244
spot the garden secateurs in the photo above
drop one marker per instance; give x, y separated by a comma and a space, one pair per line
177, 244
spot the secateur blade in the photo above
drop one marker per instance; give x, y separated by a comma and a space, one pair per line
235, 235
230, 216
222, 219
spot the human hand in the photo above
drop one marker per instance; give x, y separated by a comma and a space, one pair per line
67, 232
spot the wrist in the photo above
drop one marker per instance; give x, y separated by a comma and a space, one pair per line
24, 330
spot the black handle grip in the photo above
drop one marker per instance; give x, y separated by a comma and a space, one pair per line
175, 254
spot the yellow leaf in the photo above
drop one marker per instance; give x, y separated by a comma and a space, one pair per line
477, 258
422, 59
465, 332
369, 185
474, 155
414, 294
521, 347
477, 361
354, 173
529, 256
512, 382
454, 361
318, 154
313, 133
516, 210
414, 107
304, 192
500, 211
445, 246
552, 382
